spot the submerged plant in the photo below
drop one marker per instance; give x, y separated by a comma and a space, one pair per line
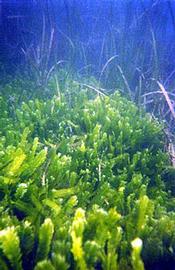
84, 185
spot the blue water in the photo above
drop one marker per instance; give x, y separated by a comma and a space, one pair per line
89, 32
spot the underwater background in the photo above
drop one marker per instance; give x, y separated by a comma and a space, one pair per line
87, 135
123, 44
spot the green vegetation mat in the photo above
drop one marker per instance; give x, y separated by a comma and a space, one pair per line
83, 185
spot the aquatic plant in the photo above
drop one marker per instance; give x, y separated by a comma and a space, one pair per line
84, 185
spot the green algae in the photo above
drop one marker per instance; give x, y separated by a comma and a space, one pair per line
82, 181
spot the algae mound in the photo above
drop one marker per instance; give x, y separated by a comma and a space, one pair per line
82, 185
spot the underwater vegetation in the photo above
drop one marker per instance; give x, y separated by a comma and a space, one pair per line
87, 177
85, 183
